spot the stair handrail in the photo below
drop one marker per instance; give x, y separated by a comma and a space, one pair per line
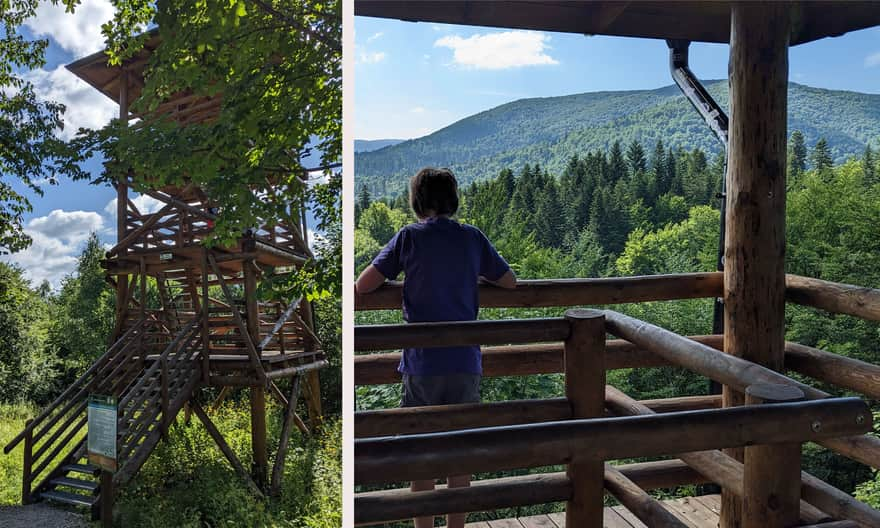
184, 332
80, 383
169, 375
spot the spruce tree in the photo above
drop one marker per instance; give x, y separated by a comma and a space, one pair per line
635, 157
821, 158
658, 168
797, 159
549, 218
616, 164
362, 203
869, 166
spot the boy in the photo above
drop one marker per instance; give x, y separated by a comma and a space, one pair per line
443, 262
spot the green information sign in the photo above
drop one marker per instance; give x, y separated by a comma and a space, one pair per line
102, 431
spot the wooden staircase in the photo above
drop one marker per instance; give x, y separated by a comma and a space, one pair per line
150, 393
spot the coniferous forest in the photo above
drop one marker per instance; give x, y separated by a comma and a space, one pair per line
639, 209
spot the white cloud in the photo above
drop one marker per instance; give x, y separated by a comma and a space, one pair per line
417, 110
85, 106
872, 60
46, 259
57, 241
498, 51
70, 227
146, 205
375, 36
78, 33
367, 57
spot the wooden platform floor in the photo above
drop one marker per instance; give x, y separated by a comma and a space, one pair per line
696, 512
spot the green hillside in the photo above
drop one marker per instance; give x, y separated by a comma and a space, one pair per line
550, 130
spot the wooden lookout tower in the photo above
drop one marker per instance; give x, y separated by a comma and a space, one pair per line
746, 440
208, 328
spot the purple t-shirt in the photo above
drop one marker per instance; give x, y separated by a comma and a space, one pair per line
442, 261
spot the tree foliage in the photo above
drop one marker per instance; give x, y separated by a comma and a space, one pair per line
30, 150
277, 66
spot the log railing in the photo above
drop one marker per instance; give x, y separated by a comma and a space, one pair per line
499, 435
572, 292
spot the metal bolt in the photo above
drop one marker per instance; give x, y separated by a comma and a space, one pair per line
860, 419
816, 426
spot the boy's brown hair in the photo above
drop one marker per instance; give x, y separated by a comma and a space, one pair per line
433, 190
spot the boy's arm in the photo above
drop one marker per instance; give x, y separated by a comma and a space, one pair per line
508, 280
369, 280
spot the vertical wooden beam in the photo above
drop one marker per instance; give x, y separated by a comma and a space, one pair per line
141, 353
108, 497
754, 253
772, 473
313, 382
258, 394
121, 213
26, 476
258, 435
206, 324
585, 390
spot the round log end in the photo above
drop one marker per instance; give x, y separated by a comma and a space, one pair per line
773, 393
576, 314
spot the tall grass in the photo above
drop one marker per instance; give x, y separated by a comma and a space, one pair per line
12, 418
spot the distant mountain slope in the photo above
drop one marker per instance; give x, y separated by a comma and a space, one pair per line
550, 130
369, 145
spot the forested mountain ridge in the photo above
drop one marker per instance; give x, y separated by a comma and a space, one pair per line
369, 145
548, 131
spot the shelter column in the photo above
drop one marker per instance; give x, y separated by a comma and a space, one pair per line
754, 267
585, 391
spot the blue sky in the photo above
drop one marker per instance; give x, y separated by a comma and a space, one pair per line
414, 78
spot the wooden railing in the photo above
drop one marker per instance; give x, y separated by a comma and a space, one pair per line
153, 400
186, 222
503, 435
59, 430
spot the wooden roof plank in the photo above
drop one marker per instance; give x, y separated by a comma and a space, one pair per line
688, 20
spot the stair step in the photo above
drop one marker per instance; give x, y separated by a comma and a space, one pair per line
68, 498
87, 485
86, 469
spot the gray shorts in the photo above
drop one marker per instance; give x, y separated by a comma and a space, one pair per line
440, 390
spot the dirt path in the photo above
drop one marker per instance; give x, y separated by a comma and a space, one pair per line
40, 515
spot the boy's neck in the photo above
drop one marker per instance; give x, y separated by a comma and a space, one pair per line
428, 218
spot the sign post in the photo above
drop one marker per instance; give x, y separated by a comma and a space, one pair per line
102, 431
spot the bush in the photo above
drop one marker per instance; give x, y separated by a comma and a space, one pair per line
188, 482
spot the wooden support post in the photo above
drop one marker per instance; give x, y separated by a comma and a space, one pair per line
250, 299
313, 383
108, 496
122, 214
754, 272
258, 435
206, 325
772, 473
289, 413
585, 390
141, 353
224, 448
26, 476
220, 397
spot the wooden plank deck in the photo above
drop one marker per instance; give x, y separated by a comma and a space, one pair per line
696, 512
